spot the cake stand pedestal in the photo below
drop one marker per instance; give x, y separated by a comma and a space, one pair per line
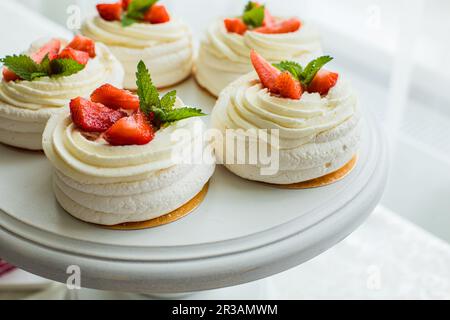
243, 231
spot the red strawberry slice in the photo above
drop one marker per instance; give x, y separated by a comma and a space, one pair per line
157, 14
267, 73
288, 87
82, 43
79, 56
51, 49
323, 82
8, 75
284, 26
115, 98
110, 11
132, 130
235, 25
93, 117
125, 4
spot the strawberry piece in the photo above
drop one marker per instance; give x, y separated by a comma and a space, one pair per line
51, 49
235, 26
93, 117
79, 56
8, 75
125, 4
288, 87
157, 14
110, 11
323, 82
267, 73
269, 20
132, 130
82, 43
115, 98
284, 26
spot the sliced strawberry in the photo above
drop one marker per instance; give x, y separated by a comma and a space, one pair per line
115, 98
93, 117
125, 4
8, 75
267, 73
323, 82
284, 26
269, 20
79, 56
110, 11
288, 87
235, 25
82, 43
157, 14
132, 130
51, 49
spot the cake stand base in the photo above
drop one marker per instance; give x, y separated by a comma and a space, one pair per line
257, 290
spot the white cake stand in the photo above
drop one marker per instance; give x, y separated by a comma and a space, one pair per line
242, 232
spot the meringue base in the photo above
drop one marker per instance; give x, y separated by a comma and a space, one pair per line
68, 205
168, 68
326, 180
24, 140
173, 216
203, 88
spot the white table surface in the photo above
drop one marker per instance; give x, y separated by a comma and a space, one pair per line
387, 257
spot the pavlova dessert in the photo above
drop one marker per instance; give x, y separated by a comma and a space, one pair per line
38, 83
118, 157
137, 30
223, 55
312, 113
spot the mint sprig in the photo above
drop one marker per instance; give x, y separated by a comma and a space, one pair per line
136, 11
27, 69
313, 67
254, 14
293, 68
304, 75
160, 110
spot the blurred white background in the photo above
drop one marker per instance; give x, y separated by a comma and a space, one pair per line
397, 55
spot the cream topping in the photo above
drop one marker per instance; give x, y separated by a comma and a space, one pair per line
245, 104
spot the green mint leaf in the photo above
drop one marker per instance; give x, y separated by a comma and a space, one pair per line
178, 114
127, 21
294, 68
147, 92
250, 5
161, 109
159, 116
64, 67
253, 15
23, 66
168, 101
27, 69
136, 11
312, 68
44, 66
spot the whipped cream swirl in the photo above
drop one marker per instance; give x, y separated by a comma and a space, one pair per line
25, 106
317, 135
224, 56
105, 184
165, 48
